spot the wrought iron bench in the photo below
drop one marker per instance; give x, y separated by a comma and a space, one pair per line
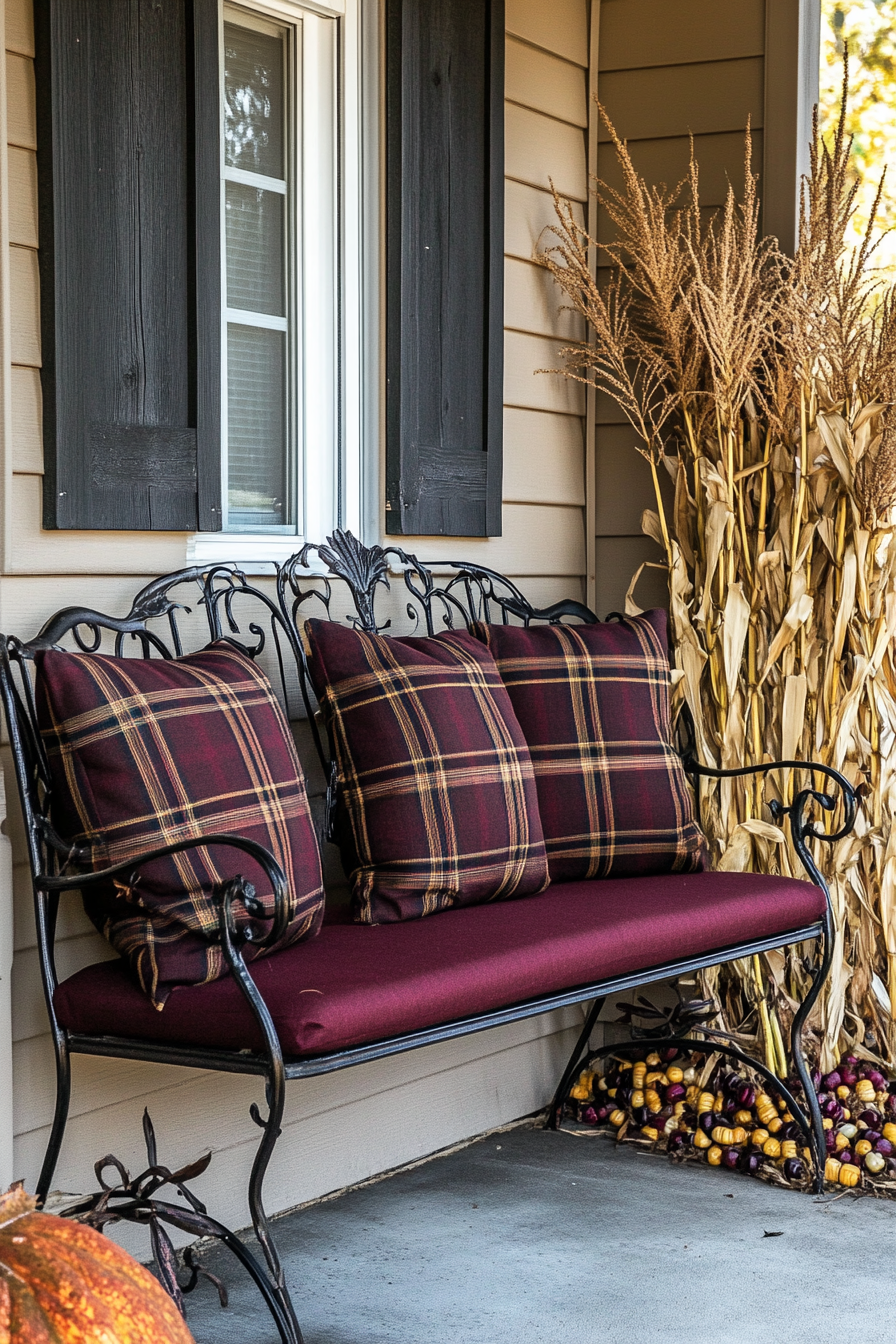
474, 968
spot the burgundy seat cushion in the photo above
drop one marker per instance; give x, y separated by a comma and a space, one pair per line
144, 753
593, 704
437, 795
355, 983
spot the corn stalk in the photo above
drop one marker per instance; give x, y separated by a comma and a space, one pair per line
760, 390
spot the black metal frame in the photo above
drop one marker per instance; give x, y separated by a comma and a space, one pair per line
455, 594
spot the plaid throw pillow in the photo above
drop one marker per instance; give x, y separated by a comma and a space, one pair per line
593, 704
438, 803
146, 752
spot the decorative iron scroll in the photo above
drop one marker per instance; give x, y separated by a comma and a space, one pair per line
132, 1199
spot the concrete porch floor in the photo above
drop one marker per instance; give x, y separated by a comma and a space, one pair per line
544, 1238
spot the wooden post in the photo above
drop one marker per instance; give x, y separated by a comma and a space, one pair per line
792, 58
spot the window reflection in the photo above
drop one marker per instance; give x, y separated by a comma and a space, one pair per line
253, 101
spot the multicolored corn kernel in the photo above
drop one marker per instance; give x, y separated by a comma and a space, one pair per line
832, 1170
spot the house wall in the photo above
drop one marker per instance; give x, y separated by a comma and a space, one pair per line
343, 1128
666, 72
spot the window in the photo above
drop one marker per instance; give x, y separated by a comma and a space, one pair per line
262, 101
290, 291
210, 301
209, 361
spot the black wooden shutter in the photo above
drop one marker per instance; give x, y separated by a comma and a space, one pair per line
444, 263
128, 146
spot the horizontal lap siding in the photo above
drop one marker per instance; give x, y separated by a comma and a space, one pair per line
665, 72
347, 1127
638, 34
337, 1130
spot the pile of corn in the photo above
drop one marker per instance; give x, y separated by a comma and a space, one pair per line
696, 1108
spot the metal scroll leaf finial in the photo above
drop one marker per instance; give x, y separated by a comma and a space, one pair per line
361, 568
154, 600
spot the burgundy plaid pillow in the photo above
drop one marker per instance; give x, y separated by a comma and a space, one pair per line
146, 752
437, 796
593, 704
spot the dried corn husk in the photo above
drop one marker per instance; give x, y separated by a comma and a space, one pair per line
767, 386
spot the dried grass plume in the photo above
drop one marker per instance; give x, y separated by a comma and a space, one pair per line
763, 387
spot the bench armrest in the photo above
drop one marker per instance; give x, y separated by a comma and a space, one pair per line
238, 888
802, 826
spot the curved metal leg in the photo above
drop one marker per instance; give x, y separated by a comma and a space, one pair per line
809, 1118
275, 1089
580, 1050
796, 1045
60, 1116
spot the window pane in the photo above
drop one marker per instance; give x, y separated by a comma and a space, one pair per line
253, 100
256, 427
255, 249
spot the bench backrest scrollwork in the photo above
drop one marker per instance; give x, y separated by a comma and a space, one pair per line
377, 589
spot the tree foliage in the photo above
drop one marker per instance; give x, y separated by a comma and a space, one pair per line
868, 28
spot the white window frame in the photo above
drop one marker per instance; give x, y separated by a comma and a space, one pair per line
291, 324
340, 432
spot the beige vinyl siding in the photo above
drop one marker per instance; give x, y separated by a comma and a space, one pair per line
346, 1127
24, 296
528, 214
540, 149
22, 196
531, 303
642, 33
545, 83
665, 72
21, 126
27, 443
559, 26
20, 26
551, 468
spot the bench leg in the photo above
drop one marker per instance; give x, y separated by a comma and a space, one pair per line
818, 1145
275, 1096
60, 1116
580, 1049
275, 1089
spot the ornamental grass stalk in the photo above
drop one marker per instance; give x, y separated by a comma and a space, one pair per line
760, 389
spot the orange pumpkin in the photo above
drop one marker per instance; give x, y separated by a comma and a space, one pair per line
64, 1283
